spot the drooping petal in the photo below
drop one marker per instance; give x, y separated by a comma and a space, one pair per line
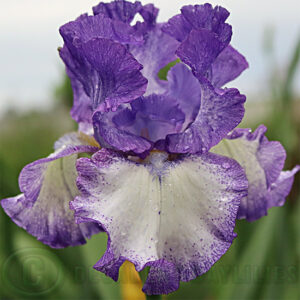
219, 113
108, 72
180, 215
200, 17
118, 10
227, 66
280, 189
153, 117
186, 89
263, 162
157, 51
108, 135
47, 186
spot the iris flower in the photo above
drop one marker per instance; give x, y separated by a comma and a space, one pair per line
169, 172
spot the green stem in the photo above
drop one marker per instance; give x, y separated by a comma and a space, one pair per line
154, 297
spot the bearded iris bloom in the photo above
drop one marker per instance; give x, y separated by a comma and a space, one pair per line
169, 173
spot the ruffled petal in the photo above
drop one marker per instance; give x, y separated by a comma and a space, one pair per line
263, 162
220, 112
227, 66
108, 72
176, 217
118, 10
200, 17
157, 51
199, 50
186, 89
153, 117
86, 28
109, 135
47, 186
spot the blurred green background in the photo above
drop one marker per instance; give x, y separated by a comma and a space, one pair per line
263, 262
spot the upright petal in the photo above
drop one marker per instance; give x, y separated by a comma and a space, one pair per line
157, 51
86, 28
118, 10
199, 50
180, 215
263, 162
186, 89
153, 117
227, 66
108, 72
47, 186
200, 17
219, 113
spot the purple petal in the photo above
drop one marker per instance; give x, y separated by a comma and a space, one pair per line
178, 217
281, 188
200, 50
109, 135
118, 10
47, 186
228, 66
153, 117
219, 114
86, 28
186, 89
200, 17
108, 72
263, 162
157, 51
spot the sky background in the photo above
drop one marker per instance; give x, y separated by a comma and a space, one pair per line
30, 66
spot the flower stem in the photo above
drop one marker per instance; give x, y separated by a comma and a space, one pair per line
154, 297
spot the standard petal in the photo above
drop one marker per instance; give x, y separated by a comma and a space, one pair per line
157, 51
200, 17
176, 217
227, 66
186, 89
108, 135
263, 162
47, 186
153, 117
199, 50
219, 113
108, 72
87, 27
118, 10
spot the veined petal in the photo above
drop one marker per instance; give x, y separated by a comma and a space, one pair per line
263, 162
219, 113
200, 17
199, 50
176, 217
157, 51
108, 135
87, 27
227, 66
108, 72
186, 89
47, 186
118, 10
153, 117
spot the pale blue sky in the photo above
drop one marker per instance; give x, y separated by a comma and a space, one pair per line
30, 66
